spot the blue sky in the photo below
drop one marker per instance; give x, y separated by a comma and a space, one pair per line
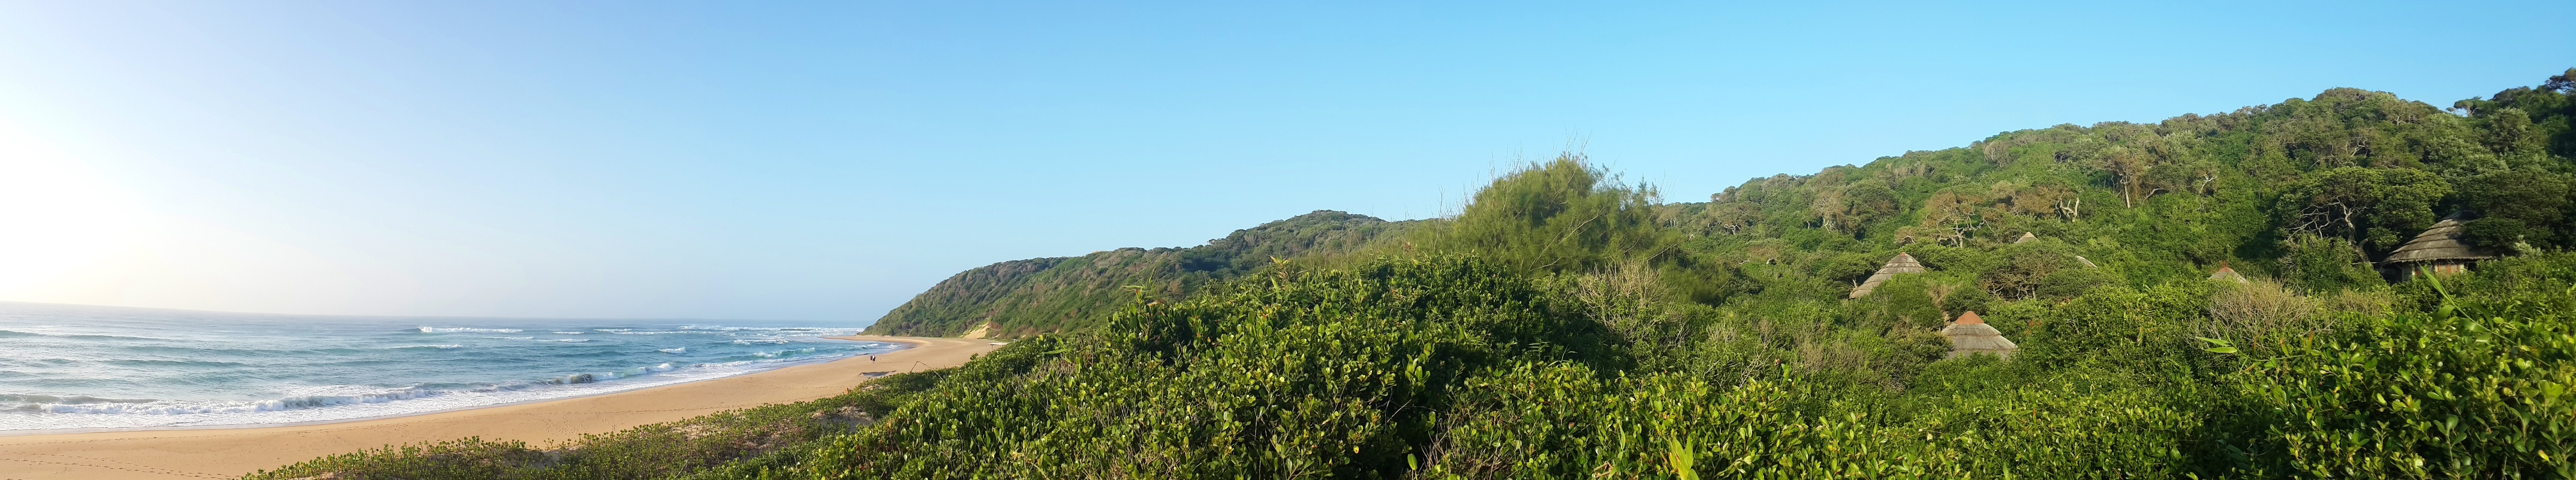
825, 161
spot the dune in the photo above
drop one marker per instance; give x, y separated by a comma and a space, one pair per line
232, 452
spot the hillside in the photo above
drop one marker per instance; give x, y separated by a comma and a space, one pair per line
1022, 297
2307, 190
2201, 297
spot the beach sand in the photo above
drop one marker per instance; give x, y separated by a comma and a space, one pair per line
232, 452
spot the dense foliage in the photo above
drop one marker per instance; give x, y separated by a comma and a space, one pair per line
1566, 325
1023, 297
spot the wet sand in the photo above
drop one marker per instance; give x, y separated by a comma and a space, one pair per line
232, 452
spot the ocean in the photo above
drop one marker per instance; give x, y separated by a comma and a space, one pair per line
66, 367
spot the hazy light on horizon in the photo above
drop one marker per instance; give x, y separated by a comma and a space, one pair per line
67, 228
78, 236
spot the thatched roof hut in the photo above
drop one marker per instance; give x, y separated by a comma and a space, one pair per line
1970, 335
2026, 237
1901, 264
2225, 274
2438, 247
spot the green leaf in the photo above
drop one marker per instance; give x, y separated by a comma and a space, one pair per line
1682, 458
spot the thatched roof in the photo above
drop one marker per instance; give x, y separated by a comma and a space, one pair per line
2225, 274
1901, 264
2442, 242
1971, 335
2025, 237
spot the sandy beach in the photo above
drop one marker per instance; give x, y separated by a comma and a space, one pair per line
232, 452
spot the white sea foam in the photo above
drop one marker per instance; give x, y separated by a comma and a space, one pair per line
468, 329
826, 331
782, 353
354, 402
315, 397
188, 370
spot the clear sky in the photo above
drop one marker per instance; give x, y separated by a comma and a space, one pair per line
827, 160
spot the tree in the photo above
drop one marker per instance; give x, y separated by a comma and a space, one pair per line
2520, 118
2129, 169
2511, 135
2375, 208
1854, 206
2515, 205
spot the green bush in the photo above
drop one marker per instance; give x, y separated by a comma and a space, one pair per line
2475, 389
1316, 373
2320, 264
1561, 421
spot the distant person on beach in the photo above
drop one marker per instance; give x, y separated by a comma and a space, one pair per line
872, 358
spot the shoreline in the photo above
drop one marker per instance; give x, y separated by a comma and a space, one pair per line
233, 450
910, 344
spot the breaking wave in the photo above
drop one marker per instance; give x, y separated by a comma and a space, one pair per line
468, 330
84, 367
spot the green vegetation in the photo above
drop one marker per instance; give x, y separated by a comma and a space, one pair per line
1566, 325
1561, 216
1023, 297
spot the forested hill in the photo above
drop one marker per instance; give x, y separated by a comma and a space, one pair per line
2310, 191
1021, 297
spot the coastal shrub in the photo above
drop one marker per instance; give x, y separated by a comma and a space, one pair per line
467, 458
2319, 264
1358, 374
1329, 373
2474, 389
1561, 421
2245, 312
2523, 278
2149, 330
1562, 215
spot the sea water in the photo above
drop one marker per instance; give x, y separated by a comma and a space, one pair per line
65, 367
